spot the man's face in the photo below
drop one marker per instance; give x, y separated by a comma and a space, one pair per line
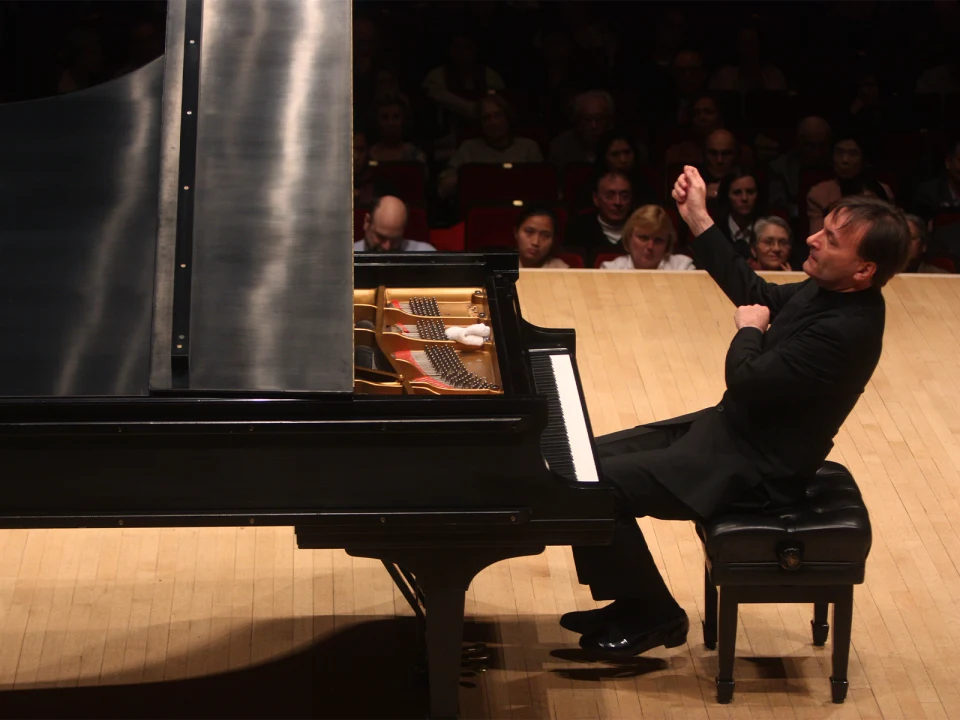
382, 234
390, 122
613, 199
834, 261
688, 73
593, 121
721, 154
493, 122
704, 117
620, 156
847, 159
815, 146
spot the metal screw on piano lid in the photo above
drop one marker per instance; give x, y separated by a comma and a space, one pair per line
183, 265
119, 522
179, 347
186, 187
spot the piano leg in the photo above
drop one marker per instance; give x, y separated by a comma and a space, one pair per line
444, 574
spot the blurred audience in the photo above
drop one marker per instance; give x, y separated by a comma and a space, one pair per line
593, 115
919, 245
852, 177
811, 152
392, 112
738, 207
649, 239
496, 143
942, 194
750, 73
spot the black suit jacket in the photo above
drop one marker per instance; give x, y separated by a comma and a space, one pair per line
584, 233
788, 390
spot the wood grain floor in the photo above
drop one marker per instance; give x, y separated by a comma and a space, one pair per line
86, 608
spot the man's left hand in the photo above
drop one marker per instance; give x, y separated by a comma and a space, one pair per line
755, 316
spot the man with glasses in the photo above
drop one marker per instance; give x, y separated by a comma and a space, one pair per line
601, 233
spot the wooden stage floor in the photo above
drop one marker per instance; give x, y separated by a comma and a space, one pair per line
234, 622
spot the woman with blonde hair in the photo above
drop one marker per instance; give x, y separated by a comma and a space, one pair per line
649, 238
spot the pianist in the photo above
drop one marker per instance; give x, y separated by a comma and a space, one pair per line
384, 226
802, 355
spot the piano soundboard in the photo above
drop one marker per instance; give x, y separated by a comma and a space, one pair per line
424, 341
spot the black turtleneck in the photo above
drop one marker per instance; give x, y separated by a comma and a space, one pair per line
790, 389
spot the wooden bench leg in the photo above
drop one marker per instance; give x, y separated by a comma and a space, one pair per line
728, 644
709, 611
821, 628
842, 623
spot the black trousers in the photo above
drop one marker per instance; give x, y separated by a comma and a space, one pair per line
625, 568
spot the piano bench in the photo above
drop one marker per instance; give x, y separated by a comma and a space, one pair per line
813, 553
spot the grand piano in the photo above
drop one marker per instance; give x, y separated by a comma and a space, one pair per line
187, 339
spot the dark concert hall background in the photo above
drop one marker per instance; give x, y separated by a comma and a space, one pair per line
885, 74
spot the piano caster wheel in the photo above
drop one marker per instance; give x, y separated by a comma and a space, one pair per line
838, 689
724, 691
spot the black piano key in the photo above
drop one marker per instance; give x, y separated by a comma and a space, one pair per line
554, 442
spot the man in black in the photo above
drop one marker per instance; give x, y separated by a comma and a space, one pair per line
800, 359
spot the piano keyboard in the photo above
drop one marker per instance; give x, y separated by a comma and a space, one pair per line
565, 442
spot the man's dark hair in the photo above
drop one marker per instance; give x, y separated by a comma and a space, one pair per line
886, 241
608, 173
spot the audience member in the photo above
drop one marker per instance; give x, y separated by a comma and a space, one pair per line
689, 79
616, 151
368, 61
84, 60
942, 194
602, 232
852, 178
366, 188
704, 118
770, 244
558, 74
535, 234
942, 79
919, 245
751, 73
383, 229
456, 87
496, 143
721, 152
738, 208
649, 238
593, 115
392, 112
812, 150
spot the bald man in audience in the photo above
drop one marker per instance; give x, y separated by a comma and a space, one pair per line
812, 150
383, 229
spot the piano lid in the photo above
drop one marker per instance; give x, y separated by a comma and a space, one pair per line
78, 218
260, 293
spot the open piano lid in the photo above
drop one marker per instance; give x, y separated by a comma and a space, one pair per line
249, 270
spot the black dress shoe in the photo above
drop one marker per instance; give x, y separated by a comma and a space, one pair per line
586, 621
615, 641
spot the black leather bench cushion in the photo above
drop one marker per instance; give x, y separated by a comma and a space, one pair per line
831, 528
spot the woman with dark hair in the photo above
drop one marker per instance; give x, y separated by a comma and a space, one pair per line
535, 234
853, 177
739, 205
392, 112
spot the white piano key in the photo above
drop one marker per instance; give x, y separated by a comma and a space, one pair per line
574, 420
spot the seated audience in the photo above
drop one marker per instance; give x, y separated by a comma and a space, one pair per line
593, 114
689, 79
392, 111
811, 151
942, 194
366, 188
751, 73
770, 244
649, 238
617, 152
496, 143
535, 234
704, 119
721, 151
383, 229
738, 207
919, 246
601, 232
852, 178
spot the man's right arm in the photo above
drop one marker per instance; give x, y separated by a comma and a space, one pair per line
715, 254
